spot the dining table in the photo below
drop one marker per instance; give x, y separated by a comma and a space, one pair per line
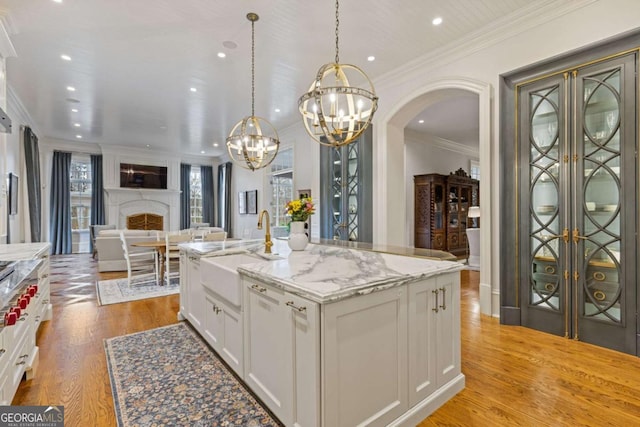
160, 247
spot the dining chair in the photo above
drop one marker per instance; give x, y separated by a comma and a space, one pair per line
172, 255
141, 262
215, 236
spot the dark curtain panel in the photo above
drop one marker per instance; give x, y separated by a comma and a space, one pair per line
60, 222
185, 196
224, 198
97, 194
206, 176
32, 159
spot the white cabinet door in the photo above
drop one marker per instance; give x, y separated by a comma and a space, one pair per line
268, 348
303, 319
364, 366
434, 334
184, 286
422, 329
448, 328
223, 331
197, 301
214, 323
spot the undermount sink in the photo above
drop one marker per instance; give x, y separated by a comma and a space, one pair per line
220, 275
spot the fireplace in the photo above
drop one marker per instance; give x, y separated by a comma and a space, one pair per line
164, 205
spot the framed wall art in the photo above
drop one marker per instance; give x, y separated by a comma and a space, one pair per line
242, 202
252, 202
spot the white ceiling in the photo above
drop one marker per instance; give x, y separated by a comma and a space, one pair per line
133, 62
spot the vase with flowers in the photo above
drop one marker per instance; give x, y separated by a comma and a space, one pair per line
299, 210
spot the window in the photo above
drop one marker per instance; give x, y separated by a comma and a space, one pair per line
195, 203
474, 169
80, 176
281, 183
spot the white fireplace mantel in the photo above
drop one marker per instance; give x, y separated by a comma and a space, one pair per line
122, 202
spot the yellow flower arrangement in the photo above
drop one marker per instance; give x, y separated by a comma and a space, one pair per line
300, 209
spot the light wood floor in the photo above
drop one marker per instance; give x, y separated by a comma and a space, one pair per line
514, 376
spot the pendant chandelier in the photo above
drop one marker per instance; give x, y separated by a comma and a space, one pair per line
253, 142
335, 113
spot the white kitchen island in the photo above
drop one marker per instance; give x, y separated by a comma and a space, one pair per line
333, 336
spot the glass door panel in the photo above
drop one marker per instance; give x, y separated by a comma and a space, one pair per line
545, 228
600, 210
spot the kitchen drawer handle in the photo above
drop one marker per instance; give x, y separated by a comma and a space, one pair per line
292, 305
436, 294
44, 276
24, 356
21, 363
444, 297
599, 276
259, 288
216, 309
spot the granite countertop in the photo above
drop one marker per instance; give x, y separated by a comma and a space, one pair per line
18, 251
326, 274
220, 248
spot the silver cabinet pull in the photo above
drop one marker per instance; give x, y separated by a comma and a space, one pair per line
435, 292
259, 288
292, 305
216, 309
444, 298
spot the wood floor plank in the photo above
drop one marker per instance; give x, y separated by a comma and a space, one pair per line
514, 376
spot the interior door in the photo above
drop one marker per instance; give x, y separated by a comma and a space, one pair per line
579, 262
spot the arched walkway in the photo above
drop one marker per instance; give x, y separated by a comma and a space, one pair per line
390, 212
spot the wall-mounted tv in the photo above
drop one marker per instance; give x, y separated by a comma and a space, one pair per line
142, 176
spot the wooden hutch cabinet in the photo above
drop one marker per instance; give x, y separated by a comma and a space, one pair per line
441, 207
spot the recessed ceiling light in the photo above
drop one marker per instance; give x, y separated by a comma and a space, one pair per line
79, 136
437, 21
221, 55
420, 121
371, 58
71, 88
65, 57
277, 110
57, 1
202, 152
74, 110
215, 144
193, 89
77, 125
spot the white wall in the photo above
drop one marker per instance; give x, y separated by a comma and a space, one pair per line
306, 175
428, 154
559, 27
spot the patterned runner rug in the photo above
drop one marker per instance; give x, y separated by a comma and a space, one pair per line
117, 290
170, 377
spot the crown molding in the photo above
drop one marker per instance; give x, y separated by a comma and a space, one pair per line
15, 103
441, 143
509, 26
6, 27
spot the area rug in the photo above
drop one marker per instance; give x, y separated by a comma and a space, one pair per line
170, 377
117, 290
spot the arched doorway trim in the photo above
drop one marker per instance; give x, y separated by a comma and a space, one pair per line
389, 163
